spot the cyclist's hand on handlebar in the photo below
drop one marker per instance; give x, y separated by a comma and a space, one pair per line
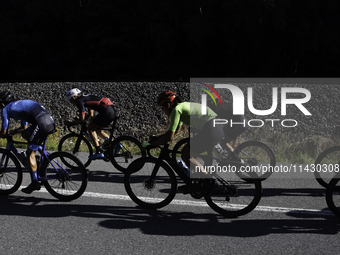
153, 138
5, 136
146, 144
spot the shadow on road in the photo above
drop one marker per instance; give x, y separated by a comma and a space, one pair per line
167, 223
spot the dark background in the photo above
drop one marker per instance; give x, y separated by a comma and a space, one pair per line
117, 40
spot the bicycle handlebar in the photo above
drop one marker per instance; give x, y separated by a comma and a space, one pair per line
68, 126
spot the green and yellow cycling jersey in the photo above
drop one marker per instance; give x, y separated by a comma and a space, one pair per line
191, 115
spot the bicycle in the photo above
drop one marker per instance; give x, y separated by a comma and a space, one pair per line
325, 164
333, 195
253, 153
120, 150
151, 183
63, 182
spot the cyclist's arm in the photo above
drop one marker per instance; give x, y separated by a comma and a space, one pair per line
178, 129
90, 115
3, 133
80, 119
18, 130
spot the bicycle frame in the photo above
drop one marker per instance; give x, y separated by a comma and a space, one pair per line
83, 130
10, 147
164, 156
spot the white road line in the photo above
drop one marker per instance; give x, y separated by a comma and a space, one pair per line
204, 204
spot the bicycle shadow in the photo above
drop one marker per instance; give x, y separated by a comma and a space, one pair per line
166, 223
105, 176
308, 192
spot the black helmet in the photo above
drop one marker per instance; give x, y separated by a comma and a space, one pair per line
6, 96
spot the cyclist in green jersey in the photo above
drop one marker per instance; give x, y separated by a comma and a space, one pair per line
190, 114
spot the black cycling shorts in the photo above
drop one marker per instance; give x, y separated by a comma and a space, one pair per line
237, 128
39, 131
207, 138
104, 118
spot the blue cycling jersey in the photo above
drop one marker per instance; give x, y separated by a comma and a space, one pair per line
27, 111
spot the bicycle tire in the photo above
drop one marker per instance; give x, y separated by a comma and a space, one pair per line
178, 148
11, 177
333, 195
257, 153
156, 194
124, 150
240, 196
82, 152
331, 156
64, 186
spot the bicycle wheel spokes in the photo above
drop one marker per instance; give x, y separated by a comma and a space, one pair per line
10, 174
256, 153
124, 150
78, 146
177, 150
62, 181
237, 197
147, 189
326, 164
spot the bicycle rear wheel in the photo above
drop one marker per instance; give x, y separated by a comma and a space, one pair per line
65, 181
124, 150
256, 153
10, 173
238, 196
149, 183
327, 160
333, 195
78, 146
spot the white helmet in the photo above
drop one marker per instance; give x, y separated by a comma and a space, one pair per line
72, 93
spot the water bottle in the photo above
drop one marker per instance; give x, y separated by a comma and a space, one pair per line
184, 168
23, 158
119, 146
219, 148
37, 158
223, 152
23, 155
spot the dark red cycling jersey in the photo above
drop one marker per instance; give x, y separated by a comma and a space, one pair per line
93, 102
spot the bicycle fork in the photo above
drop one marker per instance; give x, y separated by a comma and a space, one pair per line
3, 164
150, 183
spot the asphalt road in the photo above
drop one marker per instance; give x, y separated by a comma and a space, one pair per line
292, 217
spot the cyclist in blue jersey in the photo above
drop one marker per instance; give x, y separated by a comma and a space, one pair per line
106, 114
42, 124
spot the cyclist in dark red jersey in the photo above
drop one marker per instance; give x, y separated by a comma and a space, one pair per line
106, 114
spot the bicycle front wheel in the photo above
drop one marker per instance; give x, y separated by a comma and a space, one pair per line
150, 183
78, 146
333, 195
177, 150
124, 150
64, 176
256, 153
325, 165
235, 196
10, 173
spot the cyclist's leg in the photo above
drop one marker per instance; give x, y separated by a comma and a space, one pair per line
102, 134
103, 119
203, 141
95, 129
231, 133
37, 134
92, 131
